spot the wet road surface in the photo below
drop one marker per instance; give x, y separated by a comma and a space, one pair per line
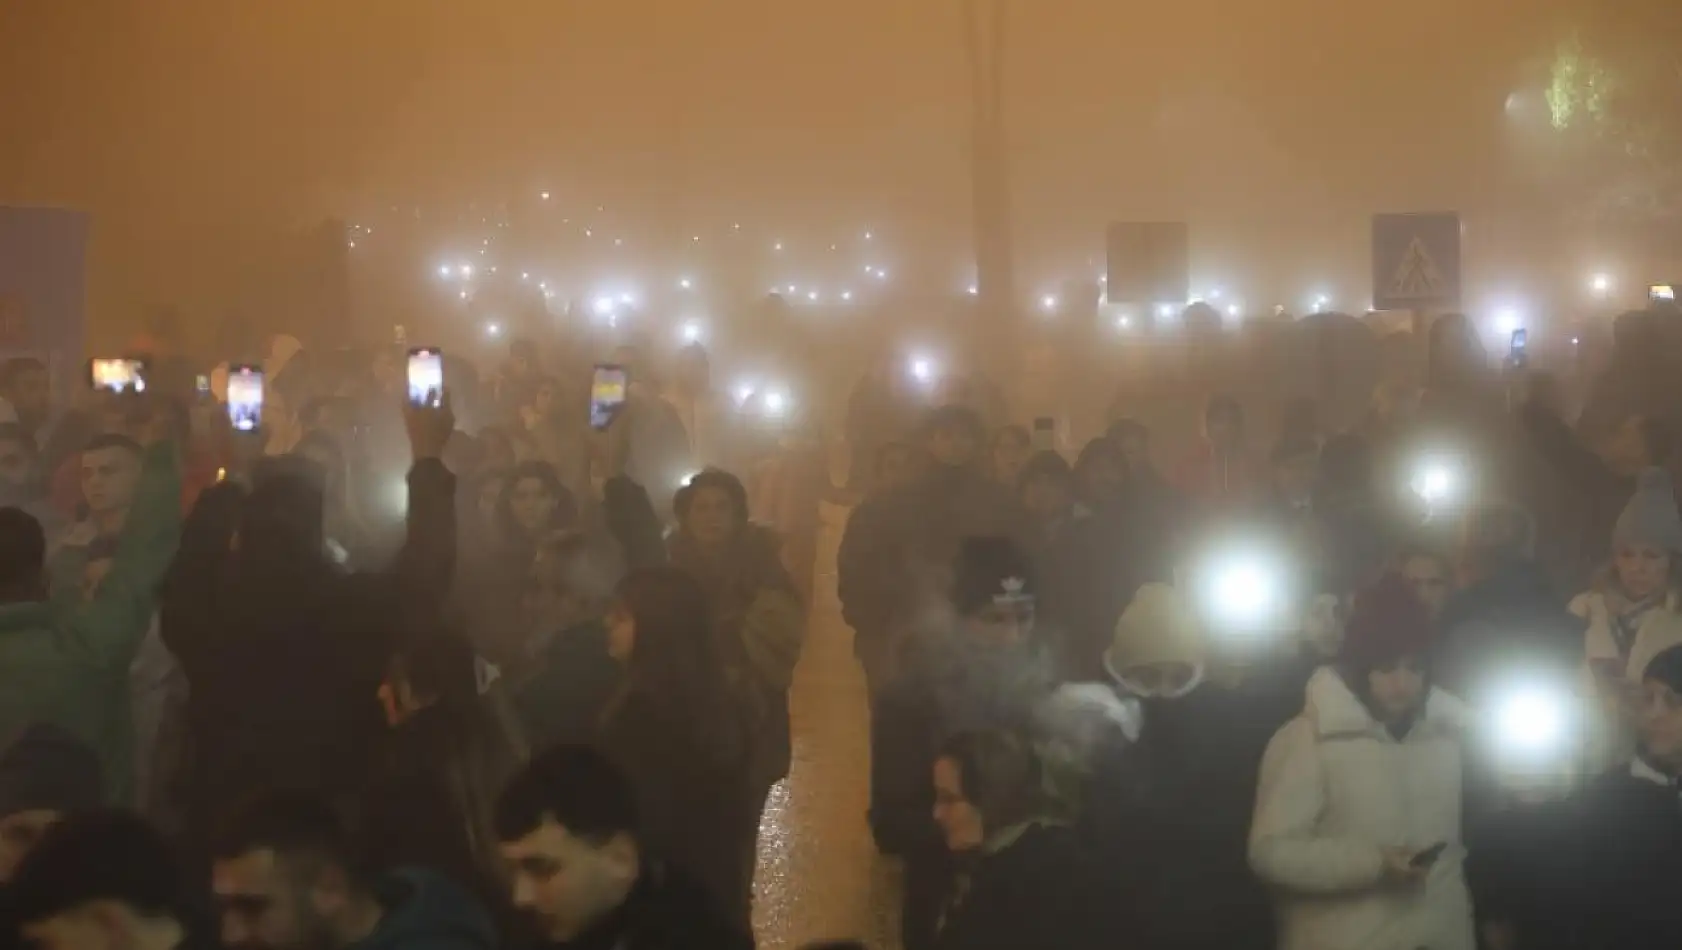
819, 876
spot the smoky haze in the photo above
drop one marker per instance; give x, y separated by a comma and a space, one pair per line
193, 129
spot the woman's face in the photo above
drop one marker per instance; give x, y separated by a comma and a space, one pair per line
712, 516
1643, 570
621, 633
1429, 578
531, 504
959, 820
1000, 625
1397, 690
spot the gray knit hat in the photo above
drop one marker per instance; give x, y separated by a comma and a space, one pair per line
1650, 517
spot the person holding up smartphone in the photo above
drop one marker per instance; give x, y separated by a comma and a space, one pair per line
1357, 825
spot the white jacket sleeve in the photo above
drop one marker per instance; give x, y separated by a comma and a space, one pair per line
1287, 849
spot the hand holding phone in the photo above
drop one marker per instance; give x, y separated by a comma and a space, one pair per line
117, 375
245, 398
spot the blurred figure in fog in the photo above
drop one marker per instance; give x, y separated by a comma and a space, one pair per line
1010, 450
898, 549
560, 693
21, 485
648, 443
1100, 478
1024, 879
706, 413
896, 465
1170, 810
1046, 486
755, 606
882, 408
1221, 474
559, 435
976, 667
679, 734
348, 535
532, 510
45, 773
1431, 575
26, 396
103, 879
1295, 474
522, 374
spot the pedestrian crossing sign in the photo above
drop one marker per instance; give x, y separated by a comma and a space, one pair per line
1416, 261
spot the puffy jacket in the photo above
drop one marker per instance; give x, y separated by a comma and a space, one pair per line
1336, 790
1612, 741
68, 663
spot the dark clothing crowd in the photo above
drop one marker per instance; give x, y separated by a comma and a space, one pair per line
410, 674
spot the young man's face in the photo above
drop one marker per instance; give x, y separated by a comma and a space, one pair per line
712, 516
959, 820
264, 903
567, 883
109, 479
1661, 724
1430, 581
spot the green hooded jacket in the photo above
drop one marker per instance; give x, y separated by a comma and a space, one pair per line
68, 663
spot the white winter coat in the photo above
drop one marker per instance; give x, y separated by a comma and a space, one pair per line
1336, 790
1611, 741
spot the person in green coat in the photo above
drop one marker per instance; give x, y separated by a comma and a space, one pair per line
68, 663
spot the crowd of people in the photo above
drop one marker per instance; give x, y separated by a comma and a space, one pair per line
1255, 698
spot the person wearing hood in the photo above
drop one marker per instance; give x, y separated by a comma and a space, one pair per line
1023, 878
1357, 825
534, 507
899, 546
45, 774
287, 875
1222, 474
977, 671
1633, 611
678, 733
1182, 792
754, 605
67, 664
259, 616
572, 840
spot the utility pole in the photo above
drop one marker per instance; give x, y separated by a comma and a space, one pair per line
984, 34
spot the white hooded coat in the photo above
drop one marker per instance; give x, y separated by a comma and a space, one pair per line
1336, 790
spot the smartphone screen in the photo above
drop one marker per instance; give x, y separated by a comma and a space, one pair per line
608, 387
1516, 349
245, 398
118, 376
1657, 292
426, 376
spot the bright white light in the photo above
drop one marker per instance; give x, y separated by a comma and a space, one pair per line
1435, 483
691, 332
775, 403
777, 247
353, 244
493, 329
1215, 293
869, 269
1103, 280
696, 239
846, 295
743, 392
1232, 310
685, 283
1600, 283
627, 299
1048, 303
544, 196
868, 235
1243, 592
444, 270
542, 285
1531, 721
1321, 302
589, 233
618, 242
922, 370
603, 306
974, 290
1123, 323
1165, 310
1574, 341
548, 294
792, 290
464, 295
812, 295
881, 274
1508, 319
467, 270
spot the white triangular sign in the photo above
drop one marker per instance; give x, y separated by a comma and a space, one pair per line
1417, 276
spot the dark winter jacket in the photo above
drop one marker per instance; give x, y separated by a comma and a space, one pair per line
562, 701
1089, 576
1038, 889
285, 656
1511, 615
665, 911
898, 549
424, 911
945, 691
1170, 814
1587, 495
695, 799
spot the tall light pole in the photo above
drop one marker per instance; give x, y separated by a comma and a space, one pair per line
984, 35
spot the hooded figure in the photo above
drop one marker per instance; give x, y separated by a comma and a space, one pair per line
978, 672
1358, 810
284, 654
1221, 474
1181, 793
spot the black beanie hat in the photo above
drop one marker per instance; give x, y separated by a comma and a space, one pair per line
1666, 667
46, 767
989, 569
